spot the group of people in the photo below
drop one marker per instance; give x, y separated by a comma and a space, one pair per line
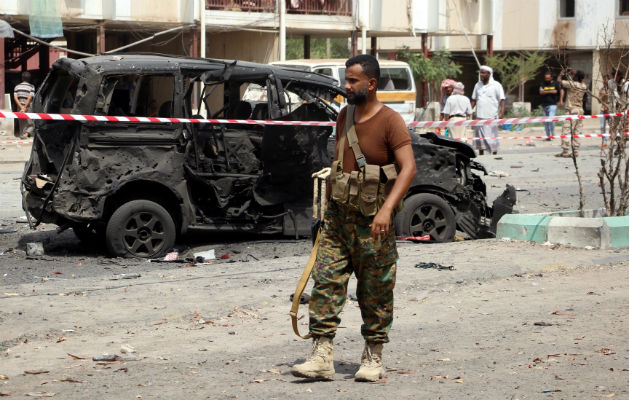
568, 90
489, 99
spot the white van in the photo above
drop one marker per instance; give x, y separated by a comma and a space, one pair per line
396, 88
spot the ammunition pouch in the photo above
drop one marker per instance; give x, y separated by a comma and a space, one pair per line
364, 190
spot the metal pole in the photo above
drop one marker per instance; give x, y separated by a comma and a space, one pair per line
282, 36
202, 23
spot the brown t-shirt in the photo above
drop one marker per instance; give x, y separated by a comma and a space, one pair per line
379, 137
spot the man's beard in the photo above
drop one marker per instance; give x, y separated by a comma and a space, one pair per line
359, 98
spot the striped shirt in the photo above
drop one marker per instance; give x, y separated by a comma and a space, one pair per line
23, 91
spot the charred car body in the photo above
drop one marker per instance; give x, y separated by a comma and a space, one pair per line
140, 185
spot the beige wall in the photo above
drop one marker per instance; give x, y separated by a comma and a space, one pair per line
151, 10
389, 16
245, 46
520, 24
621, 30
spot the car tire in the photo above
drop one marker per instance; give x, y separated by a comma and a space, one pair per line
140, 228
426, 214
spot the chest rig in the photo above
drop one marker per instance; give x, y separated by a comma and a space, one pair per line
364, 190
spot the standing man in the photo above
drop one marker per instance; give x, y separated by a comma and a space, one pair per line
23, 95
351, 242
550, 92
489, 98
575, 90
457, 108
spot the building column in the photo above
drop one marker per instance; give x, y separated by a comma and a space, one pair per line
490, 45
597, 81
353, 43
373, 46
44, 60
425, 84
307, 46
100, 38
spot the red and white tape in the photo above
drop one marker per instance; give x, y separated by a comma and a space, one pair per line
510, 121
417, 124
593, 135
588, 135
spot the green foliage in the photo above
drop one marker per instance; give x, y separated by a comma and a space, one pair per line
516, 68
338, 48
430, 69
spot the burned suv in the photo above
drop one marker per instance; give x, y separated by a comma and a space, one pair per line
138, 185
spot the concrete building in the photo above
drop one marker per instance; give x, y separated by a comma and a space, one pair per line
571, 32
256, 30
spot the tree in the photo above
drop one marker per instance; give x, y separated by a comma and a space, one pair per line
432, 70
614, 172
320, 48
516, 69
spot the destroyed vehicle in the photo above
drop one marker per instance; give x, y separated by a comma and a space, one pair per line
138, 185
446, 196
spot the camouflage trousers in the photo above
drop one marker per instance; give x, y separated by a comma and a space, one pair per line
571, 128
346, 247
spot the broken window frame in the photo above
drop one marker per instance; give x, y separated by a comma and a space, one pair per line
155, 133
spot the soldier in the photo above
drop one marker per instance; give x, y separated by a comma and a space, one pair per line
575, 90
357, 237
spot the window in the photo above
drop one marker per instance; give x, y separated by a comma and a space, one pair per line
59, 93
137, 95
567, 8
394, 79
623, 8
324, 71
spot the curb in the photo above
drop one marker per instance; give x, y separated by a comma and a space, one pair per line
566, 228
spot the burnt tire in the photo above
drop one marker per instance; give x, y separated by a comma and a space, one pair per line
426, 214
140, 228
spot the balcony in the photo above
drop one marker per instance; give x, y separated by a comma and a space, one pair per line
321, 7
242, 5
310, 7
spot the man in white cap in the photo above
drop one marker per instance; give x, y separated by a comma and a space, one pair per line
489, 98
457, 108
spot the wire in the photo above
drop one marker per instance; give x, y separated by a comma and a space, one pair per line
459, 17
51, 45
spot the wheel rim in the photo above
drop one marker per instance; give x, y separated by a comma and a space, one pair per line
144, 234
428, 219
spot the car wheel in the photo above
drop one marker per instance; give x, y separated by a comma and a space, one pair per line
426, 214
140, 228
91, 232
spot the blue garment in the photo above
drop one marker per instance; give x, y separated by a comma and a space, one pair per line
550, 111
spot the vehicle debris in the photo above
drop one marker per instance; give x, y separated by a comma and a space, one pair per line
125, 276
34, 249
430, 265
105, 357
204, 256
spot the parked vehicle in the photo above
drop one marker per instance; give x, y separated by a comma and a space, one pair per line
396, 87
138, 186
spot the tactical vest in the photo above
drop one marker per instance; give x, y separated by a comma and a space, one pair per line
364, 190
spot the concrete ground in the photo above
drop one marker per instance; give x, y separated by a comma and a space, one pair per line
513, 320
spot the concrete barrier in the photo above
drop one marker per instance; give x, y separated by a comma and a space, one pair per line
566, 228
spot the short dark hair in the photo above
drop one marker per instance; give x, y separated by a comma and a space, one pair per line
26, 76
579, 74
369, 64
